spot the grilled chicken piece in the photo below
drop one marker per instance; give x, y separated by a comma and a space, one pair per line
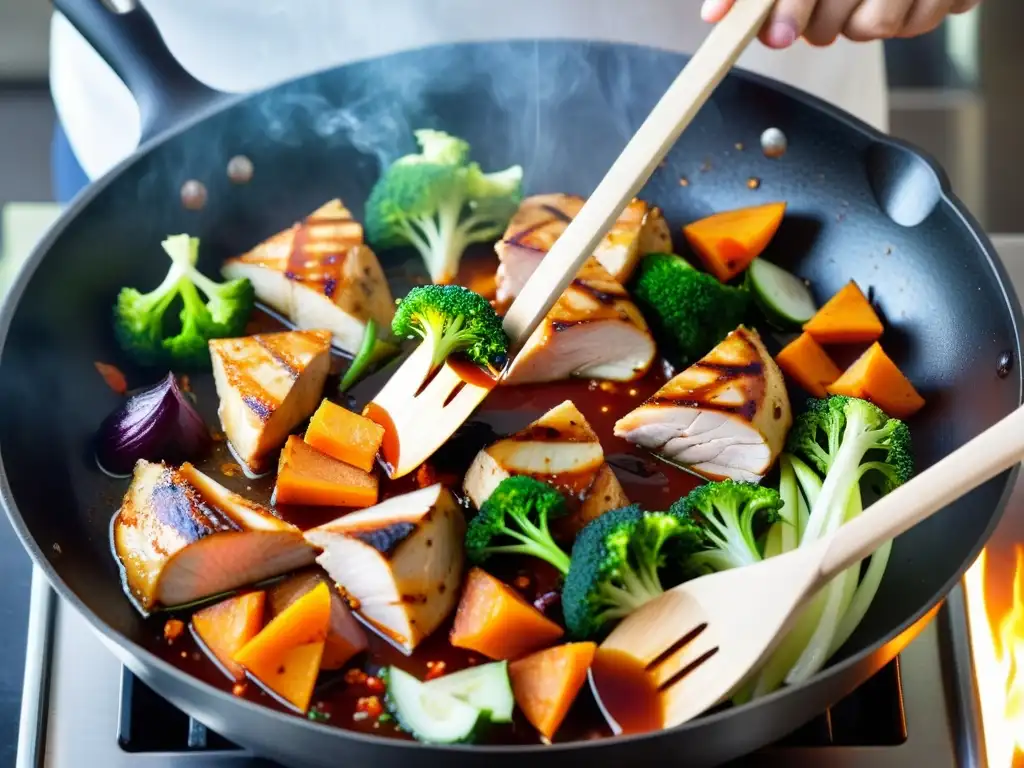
400, 562
320, 274
594, 331
345, 636
181, 536
725, 416
267, 385
559, 448
541, 219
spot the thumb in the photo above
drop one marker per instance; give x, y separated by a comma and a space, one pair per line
714, 11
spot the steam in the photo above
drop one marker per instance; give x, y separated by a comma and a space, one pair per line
517, 102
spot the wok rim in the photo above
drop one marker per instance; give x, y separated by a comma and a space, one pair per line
224, 700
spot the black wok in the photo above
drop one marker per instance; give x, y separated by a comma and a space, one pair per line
861, 206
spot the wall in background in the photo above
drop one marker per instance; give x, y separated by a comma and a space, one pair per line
24, 38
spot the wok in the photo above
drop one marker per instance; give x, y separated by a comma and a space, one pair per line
862, 206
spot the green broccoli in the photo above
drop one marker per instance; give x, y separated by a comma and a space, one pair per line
139, 318
729, 515
834, 445
440, 203
689, 311
622, 560
518, 510
453, 319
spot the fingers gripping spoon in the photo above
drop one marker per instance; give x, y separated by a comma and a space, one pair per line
420, 407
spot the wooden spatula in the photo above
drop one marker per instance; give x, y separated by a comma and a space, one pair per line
697, 642
419, 419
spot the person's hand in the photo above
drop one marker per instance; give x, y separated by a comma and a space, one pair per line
821, 22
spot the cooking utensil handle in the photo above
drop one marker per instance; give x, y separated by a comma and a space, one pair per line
670, 116
994, 450
131, 44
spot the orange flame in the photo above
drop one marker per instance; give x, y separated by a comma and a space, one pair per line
998, 663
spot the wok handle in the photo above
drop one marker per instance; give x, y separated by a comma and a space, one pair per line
998, 448
131, 44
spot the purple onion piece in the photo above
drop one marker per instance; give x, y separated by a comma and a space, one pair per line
156, 424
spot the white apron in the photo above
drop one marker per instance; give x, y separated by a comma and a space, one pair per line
244, 45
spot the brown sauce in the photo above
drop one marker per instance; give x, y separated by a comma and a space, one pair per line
628, 696
645, 480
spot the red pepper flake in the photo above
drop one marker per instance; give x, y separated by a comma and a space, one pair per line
425, 476
435, 669
374, 684
173, 629
238, 689
113, 377
355, 677
369, 706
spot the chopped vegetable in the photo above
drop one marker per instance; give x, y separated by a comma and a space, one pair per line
225, 628
485, 687
730, 516
782, 297
345, 436
440, 203
429, 714
113, 377
306, 476
833, 446
846, 318
728, 242
285, 656
140, 323
808, 365
619, 562
365, 357
453, 319
547, 682
875, 377
689, 311
514, 520
157, 424
494, 620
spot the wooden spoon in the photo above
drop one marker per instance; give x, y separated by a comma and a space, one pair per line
419, 419
699, 641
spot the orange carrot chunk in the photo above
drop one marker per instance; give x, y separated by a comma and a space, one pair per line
727, 242
545, 683
306, 476
345, 436
494, 620
847, 318
875, 377
285, 656
806, 363
225, 627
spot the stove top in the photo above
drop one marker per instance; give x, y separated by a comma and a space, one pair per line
81, 708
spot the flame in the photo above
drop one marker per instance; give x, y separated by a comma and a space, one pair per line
998, 663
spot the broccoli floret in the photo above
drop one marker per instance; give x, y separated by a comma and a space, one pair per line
690, 311
514, 521
453, 319
139, 318
440, 203
729, 515
620, 561
845, 439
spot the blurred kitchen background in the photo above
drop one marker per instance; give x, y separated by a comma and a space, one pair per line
958, 93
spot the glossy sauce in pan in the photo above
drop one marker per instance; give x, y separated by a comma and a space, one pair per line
647, 481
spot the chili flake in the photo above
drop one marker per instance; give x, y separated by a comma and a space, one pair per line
113, 377
374, 684
173, 629
355, 677
370, 706
435, 669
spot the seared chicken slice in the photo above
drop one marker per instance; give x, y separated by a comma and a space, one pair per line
559, 448
268, 384
594, 331
320, 274
345, 636
725, 416
399, 562
181, 536
541, 219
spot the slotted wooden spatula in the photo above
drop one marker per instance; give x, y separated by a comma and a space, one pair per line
421, 409
697, 642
